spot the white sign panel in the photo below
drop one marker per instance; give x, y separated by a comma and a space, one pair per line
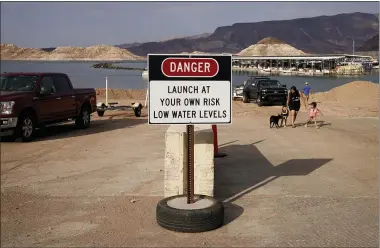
187, 89
190, 102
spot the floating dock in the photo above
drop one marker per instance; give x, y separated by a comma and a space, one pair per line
309, 65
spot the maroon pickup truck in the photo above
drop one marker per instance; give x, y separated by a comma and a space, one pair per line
32, 100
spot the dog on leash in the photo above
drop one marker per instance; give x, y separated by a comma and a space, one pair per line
274, 120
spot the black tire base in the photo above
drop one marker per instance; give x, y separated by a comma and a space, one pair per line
190, 220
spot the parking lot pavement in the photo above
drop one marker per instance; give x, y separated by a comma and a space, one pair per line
281, 187
113, 157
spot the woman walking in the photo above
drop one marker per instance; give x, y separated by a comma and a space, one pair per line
294, 103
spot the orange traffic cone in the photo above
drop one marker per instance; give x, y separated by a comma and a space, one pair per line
217, 154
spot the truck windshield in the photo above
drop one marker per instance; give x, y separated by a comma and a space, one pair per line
18, 83
270, 84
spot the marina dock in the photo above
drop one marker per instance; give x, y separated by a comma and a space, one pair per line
310, 65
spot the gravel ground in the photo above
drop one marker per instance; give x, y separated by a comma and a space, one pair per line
301, 187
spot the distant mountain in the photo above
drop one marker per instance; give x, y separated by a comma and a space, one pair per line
128, 45
371, 44
135, 44
322, 34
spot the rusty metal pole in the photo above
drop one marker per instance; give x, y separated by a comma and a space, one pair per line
190, 163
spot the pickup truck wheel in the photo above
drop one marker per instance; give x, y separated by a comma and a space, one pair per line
246, 98
259, 102
84, 118
26, 128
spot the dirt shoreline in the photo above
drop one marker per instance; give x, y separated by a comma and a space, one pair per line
72, 60
100, 186
340, 101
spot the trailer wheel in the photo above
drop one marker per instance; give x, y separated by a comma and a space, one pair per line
100, 112
206, 214
137, 111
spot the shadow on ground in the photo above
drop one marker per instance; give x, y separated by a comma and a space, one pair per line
311, 124
246, 169
231, 212
98, 125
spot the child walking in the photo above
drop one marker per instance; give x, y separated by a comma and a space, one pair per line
284, 114
313, 114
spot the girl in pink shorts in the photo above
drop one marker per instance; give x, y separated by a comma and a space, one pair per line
313, 114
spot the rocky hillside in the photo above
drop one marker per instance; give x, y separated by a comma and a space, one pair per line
322, 34
13, 52
271, 47
97, 53
371, 44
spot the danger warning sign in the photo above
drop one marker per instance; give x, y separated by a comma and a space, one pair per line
190, 89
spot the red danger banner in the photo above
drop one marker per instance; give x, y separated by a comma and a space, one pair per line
190, 67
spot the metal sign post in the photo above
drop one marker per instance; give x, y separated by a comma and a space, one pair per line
190, 163
106, 91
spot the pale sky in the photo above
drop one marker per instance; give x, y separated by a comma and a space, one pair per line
51, 24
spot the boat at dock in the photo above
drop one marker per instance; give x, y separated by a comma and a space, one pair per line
310, 65
317, 73
285, 72
145, 73
265, 71
249, 68
375, 65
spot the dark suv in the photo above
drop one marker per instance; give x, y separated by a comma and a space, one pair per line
264, 91
238, 91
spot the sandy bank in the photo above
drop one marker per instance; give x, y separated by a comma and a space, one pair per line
355, 93
354, 99
120, 94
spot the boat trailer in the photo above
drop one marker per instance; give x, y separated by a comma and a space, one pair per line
113, 106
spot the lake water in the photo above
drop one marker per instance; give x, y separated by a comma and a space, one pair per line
82, 75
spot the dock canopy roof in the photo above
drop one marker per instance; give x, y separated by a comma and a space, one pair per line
288, 57
304, 57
